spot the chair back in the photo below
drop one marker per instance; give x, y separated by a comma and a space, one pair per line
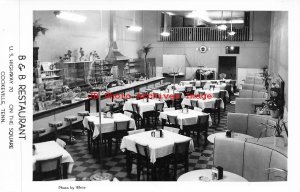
212, 86
181, 149
135, 108
202, 84
222, 94
193, 83
172, 120
222, 82
171, 129
188, 89
194, 103
177, 96
214, 82
142, 150
218, 103
159, 107
135, 131
92, 126
43, 167
121, 125
203, 121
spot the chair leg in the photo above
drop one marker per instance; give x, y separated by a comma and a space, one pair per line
175, 171
219, 111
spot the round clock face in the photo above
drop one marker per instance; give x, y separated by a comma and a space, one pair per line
203, 49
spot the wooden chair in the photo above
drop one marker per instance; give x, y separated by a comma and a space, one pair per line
136, 115
222, 95
212, 87
194, 103
188, 91
49, 169
180, 157
143, 160
173, 121
216, 109
201, 127
177, 101
121, 130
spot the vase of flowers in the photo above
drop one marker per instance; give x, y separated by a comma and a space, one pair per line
146, 49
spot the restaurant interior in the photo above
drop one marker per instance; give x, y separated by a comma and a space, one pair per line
161, 95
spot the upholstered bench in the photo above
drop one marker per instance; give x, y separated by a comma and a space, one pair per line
252, 161
252, 94
247, 105
250, 124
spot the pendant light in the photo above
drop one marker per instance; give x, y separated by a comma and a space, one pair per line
231, 33
165, 33
222, 26
134, 27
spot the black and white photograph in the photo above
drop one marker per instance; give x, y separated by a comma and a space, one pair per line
178, 97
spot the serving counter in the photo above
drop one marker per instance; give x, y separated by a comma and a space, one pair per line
42, 118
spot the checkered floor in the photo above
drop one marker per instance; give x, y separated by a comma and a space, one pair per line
86, 165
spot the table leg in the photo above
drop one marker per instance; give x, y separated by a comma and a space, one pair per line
65, 167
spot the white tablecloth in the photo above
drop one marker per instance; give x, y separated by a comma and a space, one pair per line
49, 150
180, 87
189, 118
143, 105
107, 124
202, 103
217, 86
159, 147
240, 136
214, 93
164, 95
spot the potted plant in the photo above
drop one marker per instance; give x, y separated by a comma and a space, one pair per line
279, 127
266, 77
146, 49
274, 108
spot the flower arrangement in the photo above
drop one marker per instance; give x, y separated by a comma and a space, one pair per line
279, 127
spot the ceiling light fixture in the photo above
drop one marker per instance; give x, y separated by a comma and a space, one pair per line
222, 26
70, 16
231, 33
134, 27
165, 32
170, 13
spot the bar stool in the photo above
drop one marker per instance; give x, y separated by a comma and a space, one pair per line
70, 119
37, 132
83, 114
55, 125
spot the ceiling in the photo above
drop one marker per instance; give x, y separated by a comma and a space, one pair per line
213, 15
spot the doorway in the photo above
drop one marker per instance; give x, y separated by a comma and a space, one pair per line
227, 65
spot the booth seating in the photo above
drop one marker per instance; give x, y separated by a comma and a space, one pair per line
250, 124
252, 94
254, 80
251, 160
254, 87
247, 105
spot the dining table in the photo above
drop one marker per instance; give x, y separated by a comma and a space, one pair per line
51, 149
240, 136
143, 104
213, 92
158, 146
205, 175
167, 94
189, 117
107, 123
180, 87
203, 103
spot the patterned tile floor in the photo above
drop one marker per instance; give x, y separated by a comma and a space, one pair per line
86, 165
